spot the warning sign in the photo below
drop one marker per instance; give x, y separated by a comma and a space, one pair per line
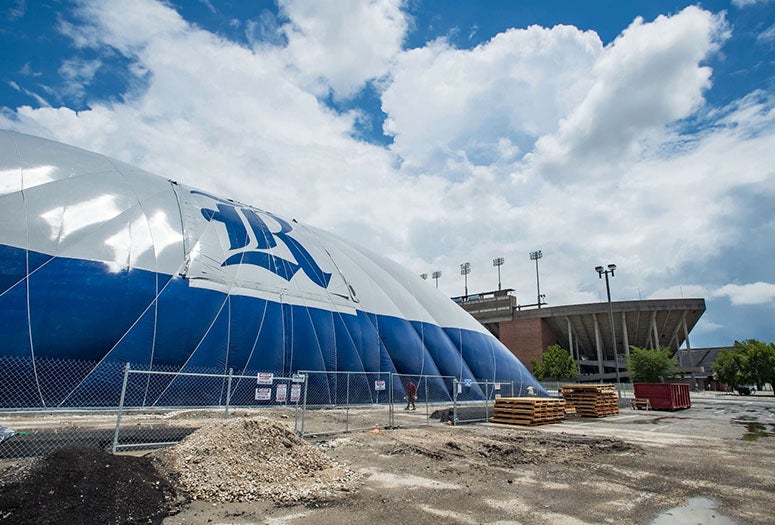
263, 394
265, 378
295, 393
379, 385
281, 393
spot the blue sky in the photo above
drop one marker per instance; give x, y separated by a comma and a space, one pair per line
439, 132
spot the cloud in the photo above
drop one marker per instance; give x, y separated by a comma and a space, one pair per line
15, 10
648, 78
747, 3
341, 44
748, 294
489, 104
77, 75
767, 36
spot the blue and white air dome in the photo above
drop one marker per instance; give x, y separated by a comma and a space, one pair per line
102, 263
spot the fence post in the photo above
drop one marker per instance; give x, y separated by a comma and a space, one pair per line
454, 400
391, 415
304, 406
347, 405
120, 407
228, 394
426, 400
487, 400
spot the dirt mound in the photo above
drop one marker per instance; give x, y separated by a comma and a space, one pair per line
507, 450
77, 484
248, 459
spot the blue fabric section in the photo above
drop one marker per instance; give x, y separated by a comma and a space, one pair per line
82, 311
13, 322
14, 261
79, 309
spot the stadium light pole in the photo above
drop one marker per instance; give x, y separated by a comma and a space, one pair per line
465, 269
534, 256
600, 272
436, 276
498, 262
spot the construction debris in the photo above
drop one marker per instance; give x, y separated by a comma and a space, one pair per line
592, 400
249, 459
528, 410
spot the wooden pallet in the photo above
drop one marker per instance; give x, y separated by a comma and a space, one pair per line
641, 403
528, 411
592, 400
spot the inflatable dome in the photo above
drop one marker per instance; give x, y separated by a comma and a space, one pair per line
102, 264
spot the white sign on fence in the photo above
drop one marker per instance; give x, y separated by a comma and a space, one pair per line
379, 385
295, 393
281, 393
263, 394
265, 378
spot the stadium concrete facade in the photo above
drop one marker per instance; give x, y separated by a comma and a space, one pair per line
585, 330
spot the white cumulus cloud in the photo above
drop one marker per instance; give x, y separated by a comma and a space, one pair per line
748, 294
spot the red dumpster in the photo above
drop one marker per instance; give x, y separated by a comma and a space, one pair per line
664, 396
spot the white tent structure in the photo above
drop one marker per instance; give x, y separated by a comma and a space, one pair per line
102, 264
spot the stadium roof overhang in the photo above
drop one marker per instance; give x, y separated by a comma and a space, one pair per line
647, 324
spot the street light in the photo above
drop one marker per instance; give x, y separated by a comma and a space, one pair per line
424, 276
534, 256
465, 269
498, 262
600, 272
436, 276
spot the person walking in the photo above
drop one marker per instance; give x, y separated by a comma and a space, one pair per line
411, 395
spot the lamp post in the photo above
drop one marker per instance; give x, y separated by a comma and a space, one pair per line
534, 256
600, 272
436, 276
498, 262
465, 269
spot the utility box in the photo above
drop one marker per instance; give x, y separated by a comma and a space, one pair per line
664, 396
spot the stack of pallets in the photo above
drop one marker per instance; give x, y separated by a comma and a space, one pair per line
528, 410
592, 400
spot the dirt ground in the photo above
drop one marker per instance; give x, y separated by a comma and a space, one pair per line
712, 463
621, 469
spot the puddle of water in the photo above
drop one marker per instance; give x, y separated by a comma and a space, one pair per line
696, 510
755, 430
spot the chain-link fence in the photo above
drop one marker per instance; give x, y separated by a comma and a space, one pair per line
161, 408
122, 408
344, 401
52, 403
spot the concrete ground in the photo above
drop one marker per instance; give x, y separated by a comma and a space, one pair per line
712, 463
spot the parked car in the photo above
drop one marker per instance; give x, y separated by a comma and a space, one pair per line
745, 390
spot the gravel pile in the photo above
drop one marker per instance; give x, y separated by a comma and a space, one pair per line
248, 459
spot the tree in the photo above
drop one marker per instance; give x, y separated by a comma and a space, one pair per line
650, 366
555, 362
749, 361
761, 362
730, 365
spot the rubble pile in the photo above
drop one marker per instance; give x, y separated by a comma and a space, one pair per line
248, 459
